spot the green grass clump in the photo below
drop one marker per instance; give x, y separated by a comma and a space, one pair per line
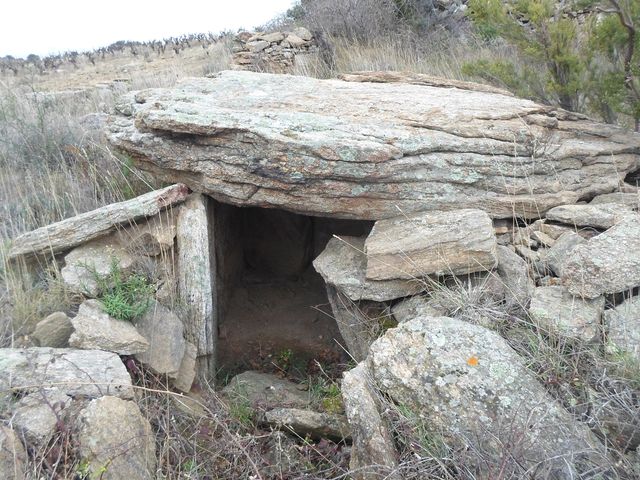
125, 297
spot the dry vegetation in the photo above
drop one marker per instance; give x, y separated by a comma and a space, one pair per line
54, 163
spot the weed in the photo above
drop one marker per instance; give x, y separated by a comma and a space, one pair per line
124, 297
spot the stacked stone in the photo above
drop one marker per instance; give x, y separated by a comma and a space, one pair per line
275, 51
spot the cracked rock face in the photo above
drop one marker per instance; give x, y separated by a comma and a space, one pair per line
372, 147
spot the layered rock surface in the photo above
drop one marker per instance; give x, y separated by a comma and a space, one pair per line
364, 150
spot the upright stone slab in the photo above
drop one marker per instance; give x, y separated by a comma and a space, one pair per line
196, 274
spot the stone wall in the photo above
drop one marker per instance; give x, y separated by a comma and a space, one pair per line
273, 52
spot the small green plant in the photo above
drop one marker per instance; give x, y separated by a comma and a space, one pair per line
332, 399
124, 297
283, 359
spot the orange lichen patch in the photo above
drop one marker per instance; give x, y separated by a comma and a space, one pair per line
472, 361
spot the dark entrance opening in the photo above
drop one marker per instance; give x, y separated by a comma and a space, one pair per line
269, 297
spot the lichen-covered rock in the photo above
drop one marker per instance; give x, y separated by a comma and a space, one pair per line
608, 263
54, 331
164, 332
470, 387
96, 329
373, 453
116, 441
431, 243
418, 306
602, 216
86, 264
343, 264
307, 422
152, 237
13, 456
622, 324
556, 310
374, 147
76, 373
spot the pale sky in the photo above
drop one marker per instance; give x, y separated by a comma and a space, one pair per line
51, 26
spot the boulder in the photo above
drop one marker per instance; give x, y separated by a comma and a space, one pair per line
603, 216
556, 310
76, 373
622, 324
265, 391
514, 274
257, 46
36, 415
71, 232
631, 200
373, 453
372, 147
431, 243
558, 254
164, 332
116, 441
608, 263
473, 390
54, 331
85, 265
307, 422
96, 329
343, 264
13, 456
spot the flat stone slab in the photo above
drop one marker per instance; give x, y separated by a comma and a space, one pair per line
308, 422
370, 147
608, 263
76, 373
431, 243
604, 215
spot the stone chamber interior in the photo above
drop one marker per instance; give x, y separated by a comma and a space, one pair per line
270, 300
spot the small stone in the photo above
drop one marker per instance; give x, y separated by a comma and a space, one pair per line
274, 37
555, 309
542, 238
187, 372
606, 264
514, 273
307, 422
418, 306
163, 331
13, 456
36, 415
96, 329
623, 326
54, 331
265, 391
303, 33
559, 252
294, 40
257, 46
